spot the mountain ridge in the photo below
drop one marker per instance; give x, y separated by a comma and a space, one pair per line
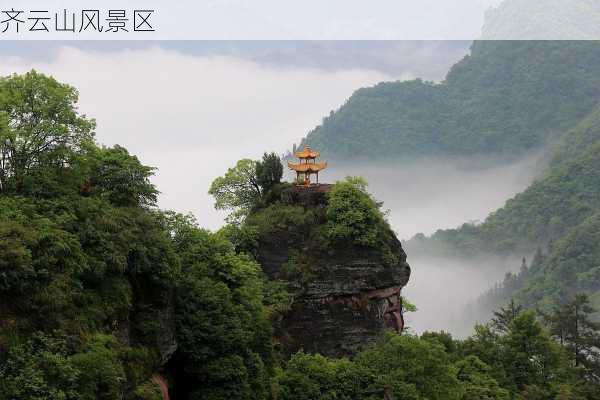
505, 97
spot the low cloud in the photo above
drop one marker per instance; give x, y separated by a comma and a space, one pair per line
431, 194
427, 195
193, 117
445, 290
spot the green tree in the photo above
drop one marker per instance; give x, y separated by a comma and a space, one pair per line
531, 357
503, 317
486, 345
121, 178
238, 191
396, 367
38, 369
309, 377
352, 214
269, 171
573, 326
41, 132
557, 323
443, 338
223, 331
39, 263
406, 367
582, 334
101, 375
477, 382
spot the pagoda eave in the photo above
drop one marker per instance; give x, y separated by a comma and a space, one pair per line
307, 167
307, 154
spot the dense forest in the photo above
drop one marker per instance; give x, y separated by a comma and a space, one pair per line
556, 217
506, 98
102, 295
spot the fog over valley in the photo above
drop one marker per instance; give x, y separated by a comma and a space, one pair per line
200, 108
222, 103
443, 289
427, 195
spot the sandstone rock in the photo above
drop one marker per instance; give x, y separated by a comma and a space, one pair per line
352, 294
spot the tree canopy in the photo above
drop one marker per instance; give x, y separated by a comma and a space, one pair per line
353, 214
41, 132
243, 187
89, 270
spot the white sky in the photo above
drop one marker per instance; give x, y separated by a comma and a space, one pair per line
285, 19
320, 20
193, 117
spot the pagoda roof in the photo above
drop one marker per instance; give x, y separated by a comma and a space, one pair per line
307, 167
307, 153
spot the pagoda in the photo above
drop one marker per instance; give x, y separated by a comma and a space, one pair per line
307, 166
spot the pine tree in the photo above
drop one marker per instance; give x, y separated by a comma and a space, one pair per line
582, 334
269, 171
524, 270
506, 315
572, 326
538, 259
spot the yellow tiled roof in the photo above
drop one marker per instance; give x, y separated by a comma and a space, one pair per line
307, 167
307, 153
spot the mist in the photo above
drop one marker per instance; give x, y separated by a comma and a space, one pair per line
444, 290
427, 195
193, 116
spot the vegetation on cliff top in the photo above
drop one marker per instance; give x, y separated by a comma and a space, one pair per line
348, 217
252, 193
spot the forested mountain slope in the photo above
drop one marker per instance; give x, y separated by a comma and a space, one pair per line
557, 215
506, 97
567, 194
571, 266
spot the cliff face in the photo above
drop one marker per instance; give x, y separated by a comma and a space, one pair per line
347, 294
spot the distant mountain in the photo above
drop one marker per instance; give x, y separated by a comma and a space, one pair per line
427, 59
571, 265
506, 97
567, 194
543, 19
559, 215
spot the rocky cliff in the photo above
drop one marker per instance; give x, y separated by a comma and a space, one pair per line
344, 294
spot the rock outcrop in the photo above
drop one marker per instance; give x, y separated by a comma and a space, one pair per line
349, 295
